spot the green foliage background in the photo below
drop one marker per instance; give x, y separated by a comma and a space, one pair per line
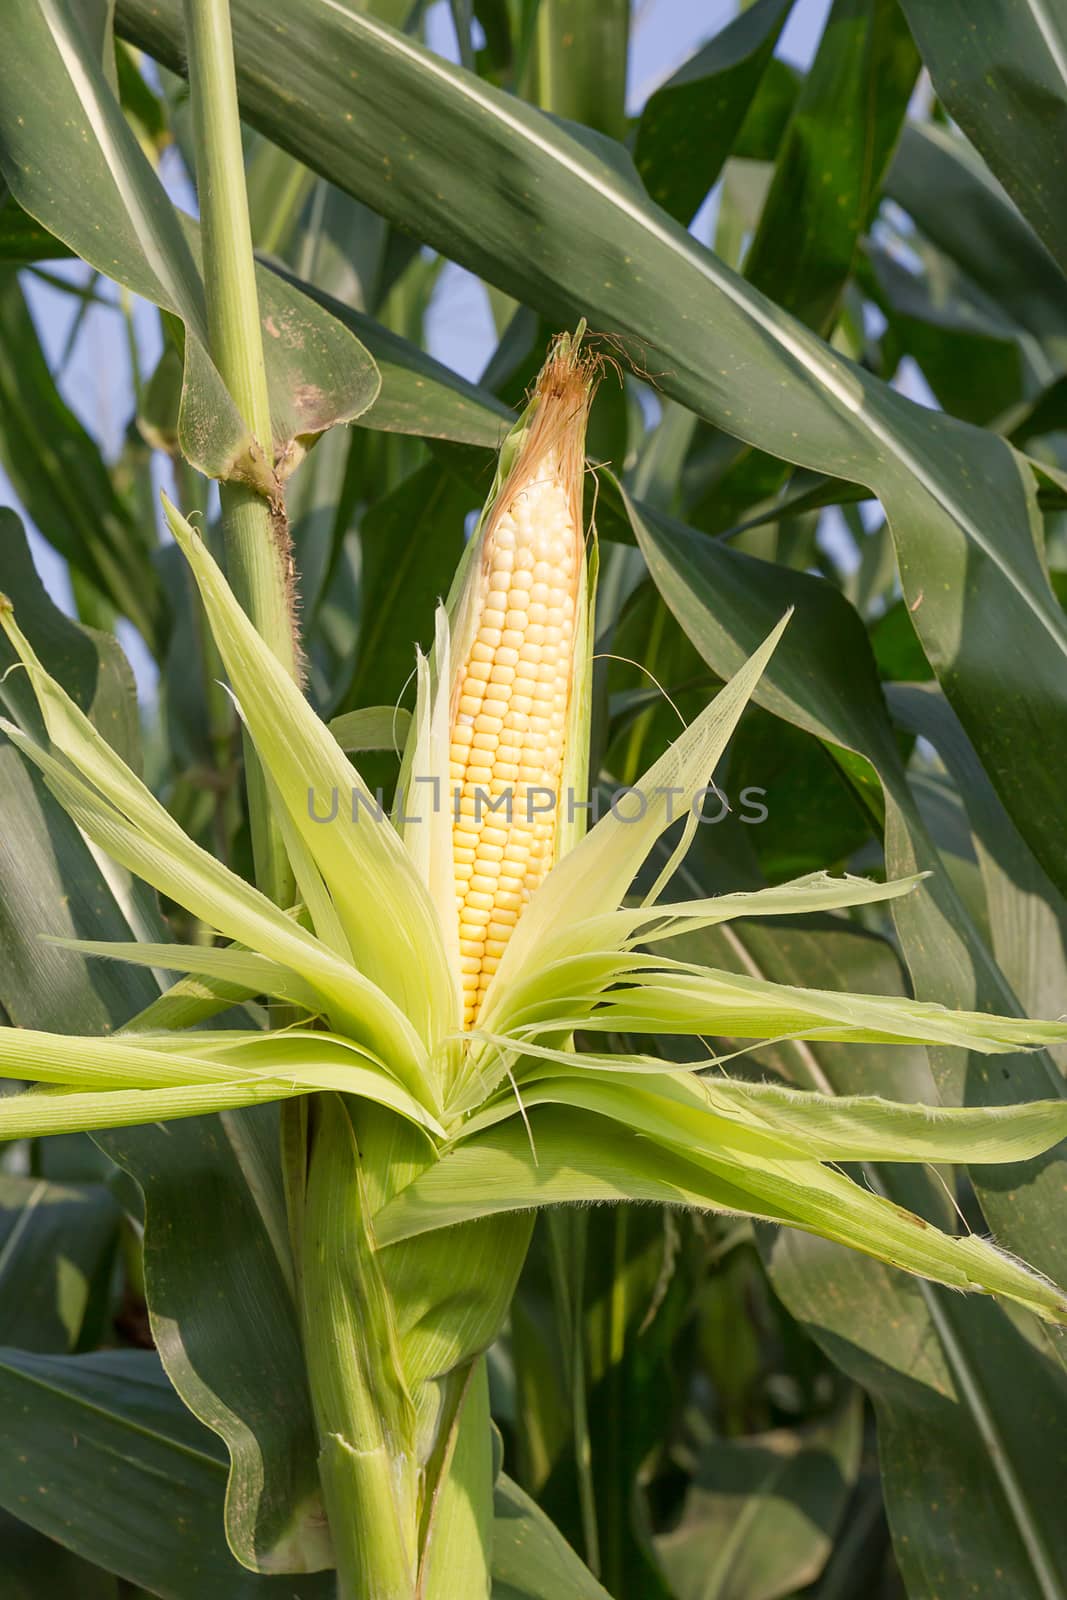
750, 1414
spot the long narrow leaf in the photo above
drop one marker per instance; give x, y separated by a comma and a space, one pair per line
567, 1157
361, 857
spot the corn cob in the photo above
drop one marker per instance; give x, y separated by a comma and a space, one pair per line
511, 694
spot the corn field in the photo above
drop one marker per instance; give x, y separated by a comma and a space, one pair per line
533, 756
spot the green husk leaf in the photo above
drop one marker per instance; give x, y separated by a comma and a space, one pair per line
690, 999
121, 815
566, 1157
363, 863
245, 1068
718, 1112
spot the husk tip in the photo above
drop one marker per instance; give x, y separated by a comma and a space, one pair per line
571, 368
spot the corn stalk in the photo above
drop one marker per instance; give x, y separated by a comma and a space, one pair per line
255, 529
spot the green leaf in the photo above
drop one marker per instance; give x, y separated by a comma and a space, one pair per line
91, 663
970, 352
957, 204
970, 1400
985, 1406
689, 125
1028, 917
830, 1128
418, 395
412, 541
218, 1177
531, 1561
823, 679
32, 1565
125, 819
372, 728
965, 1399
57, 1244
959, 502
759, 1518
139, 1077
100, 1455
48, 879
103, 1434
825, 821
561, 1156
1005, 83
582, 48
364, 866
112, 209
22, 239
696, 1001
829, 170
61, 479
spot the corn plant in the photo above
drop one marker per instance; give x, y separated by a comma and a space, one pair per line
372, 1050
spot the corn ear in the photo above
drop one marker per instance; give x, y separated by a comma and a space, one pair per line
508, 690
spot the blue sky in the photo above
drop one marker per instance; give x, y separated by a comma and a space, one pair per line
96, 380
